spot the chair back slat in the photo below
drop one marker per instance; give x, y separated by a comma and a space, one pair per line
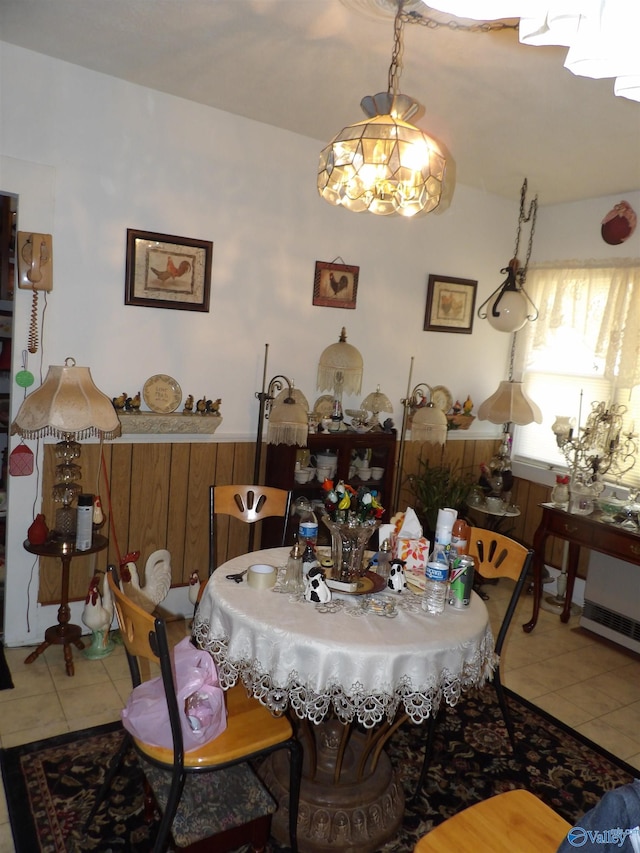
246, 503
497, 556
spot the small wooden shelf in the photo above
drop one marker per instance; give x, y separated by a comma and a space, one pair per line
175, 423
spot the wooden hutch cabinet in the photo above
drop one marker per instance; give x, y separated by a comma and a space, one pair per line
379, 447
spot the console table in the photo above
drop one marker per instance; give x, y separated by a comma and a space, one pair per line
580, 531
64, 633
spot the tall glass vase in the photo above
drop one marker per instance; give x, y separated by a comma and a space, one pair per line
348, 544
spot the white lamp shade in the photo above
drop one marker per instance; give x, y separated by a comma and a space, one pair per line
510, 404
297, 395
510, 312
340, 367
377, 402
429, 423
288, 424
67, 405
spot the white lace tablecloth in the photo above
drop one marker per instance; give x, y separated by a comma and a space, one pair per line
342, 656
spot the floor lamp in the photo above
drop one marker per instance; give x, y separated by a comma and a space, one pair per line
288, 419
428, 424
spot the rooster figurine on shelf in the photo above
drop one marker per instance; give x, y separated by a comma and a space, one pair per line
157, 579
98, 615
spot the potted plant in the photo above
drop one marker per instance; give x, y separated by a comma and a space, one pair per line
436, 486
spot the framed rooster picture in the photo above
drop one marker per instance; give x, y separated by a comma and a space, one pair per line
164, 271
451, 303
335, 285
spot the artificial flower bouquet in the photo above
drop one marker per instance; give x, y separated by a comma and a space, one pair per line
345, 504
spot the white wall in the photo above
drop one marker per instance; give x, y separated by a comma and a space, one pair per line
90, 156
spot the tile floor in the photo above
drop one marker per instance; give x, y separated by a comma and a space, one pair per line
589, 683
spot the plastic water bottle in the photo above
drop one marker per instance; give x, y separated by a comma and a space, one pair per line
308, 529
435, 588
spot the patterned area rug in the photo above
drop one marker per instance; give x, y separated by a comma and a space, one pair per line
50, 784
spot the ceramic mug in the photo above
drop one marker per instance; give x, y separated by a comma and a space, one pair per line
323, 474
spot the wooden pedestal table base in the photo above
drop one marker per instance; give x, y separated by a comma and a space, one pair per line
350, 799
64, 633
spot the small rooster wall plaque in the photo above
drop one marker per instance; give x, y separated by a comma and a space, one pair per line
335, 285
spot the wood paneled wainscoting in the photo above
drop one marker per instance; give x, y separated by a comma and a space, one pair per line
158, 495
159, 498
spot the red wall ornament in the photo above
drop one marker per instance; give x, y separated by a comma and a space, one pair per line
619, 224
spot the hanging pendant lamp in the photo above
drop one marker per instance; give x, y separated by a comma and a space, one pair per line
384, 164
509, 307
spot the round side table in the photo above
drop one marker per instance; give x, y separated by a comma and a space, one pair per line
64, 633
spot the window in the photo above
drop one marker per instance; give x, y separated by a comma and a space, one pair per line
584, 348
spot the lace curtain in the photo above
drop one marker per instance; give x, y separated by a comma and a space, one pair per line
593, 303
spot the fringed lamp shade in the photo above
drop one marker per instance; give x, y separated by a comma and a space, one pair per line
375, 403
510, 404
429, 423
67, 405
288, 423
340, 368
297, 395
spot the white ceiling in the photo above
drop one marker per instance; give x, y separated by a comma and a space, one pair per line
504, 111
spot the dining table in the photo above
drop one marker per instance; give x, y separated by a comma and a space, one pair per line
348, 672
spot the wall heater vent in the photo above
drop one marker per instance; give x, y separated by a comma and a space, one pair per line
615, 621
612, 600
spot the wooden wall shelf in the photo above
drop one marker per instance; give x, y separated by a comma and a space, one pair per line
172, 424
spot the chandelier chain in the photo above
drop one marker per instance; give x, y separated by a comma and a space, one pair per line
396, 55
434, 24
523, 218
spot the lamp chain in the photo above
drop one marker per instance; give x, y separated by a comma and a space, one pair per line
434, 24
403, 17
522, 218
396, 56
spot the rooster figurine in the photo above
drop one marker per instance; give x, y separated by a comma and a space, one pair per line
98, 615
157, 579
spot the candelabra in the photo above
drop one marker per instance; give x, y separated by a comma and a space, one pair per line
602, 447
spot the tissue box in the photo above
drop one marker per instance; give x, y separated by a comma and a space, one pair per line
415, 553
413, 549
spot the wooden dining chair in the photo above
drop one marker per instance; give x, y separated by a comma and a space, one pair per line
248, 504
496, 556
210, 791
509, 822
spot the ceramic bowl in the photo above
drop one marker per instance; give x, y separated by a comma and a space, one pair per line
377, 473
494, 504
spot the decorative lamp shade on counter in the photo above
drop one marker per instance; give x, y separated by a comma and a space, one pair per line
340, 368
375, 403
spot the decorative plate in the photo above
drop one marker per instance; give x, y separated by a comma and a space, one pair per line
369, 583
162, 394
441, 398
